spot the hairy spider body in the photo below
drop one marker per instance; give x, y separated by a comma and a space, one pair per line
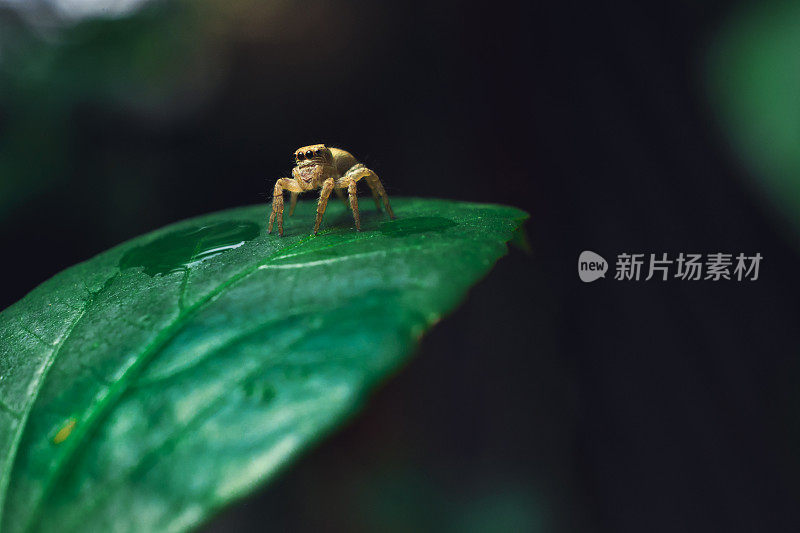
327, 169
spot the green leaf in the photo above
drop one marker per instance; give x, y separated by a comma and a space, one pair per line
753, 80
151, 385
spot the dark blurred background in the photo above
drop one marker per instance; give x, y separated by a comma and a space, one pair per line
543, 403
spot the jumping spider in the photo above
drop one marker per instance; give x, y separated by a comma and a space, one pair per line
328, 169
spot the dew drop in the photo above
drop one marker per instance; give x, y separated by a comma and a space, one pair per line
179, 250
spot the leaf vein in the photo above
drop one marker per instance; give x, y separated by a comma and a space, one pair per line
115, 391
10, 461
151, 458
35, 335
10, 410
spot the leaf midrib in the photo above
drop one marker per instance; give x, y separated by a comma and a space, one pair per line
115, 391
120, 386
150, 458
103, 406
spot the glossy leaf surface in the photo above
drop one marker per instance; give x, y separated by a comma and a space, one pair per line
148, 386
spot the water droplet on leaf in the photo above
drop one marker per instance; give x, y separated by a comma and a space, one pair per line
179, 250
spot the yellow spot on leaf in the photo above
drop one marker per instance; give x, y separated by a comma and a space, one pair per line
64, 432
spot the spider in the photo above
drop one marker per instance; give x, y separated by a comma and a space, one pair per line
328, 169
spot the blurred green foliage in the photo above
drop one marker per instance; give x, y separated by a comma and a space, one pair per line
753, 75
136, 63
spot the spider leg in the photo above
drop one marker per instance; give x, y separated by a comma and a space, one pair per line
293, 202
349, 181
357, 172
327, 187
277, 202
374, 195
351, 191
377, 190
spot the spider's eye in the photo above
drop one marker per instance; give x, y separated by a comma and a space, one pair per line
299, 156
318, 153
309, 154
